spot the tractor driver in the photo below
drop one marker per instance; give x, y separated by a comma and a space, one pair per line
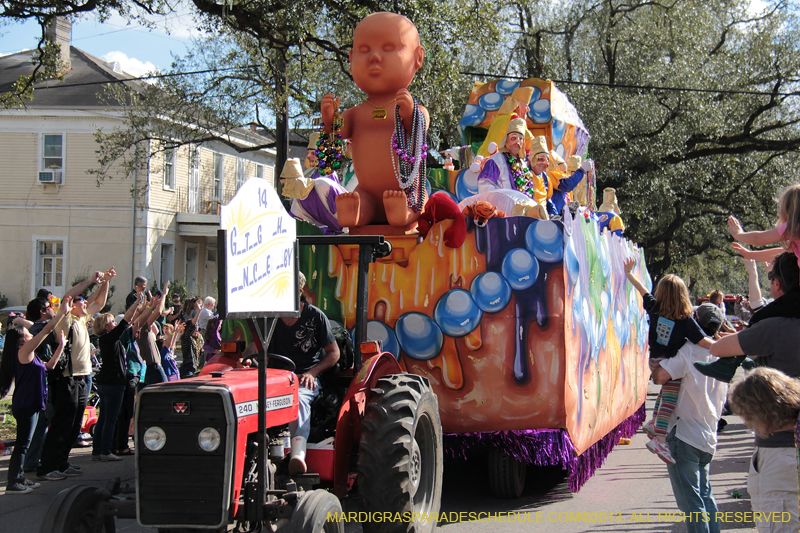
309, 342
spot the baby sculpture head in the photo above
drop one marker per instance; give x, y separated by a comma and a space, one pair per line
386, 53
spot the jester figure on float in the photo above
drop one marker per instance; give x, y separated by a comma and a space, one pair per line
386, 55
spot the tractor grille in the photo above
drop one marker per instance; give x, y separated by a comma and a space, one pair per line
181, 484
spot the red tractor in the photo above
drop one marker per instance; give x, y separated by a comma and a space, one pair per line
203, 464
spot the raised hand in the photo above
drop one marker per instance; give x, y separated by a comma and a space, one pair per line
405, 102
747, 254
629, 264
62, 341
66, 306
110, 273
734, 227
749, 265
329, 106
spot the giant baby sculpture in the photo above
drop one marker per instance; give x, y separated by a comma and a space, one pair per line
388, 130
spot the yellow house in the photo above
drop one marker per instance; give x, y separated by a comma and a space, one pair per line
58, 223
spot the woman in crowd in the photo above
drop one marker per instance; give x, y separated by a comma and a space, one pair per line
22, 366
111, 382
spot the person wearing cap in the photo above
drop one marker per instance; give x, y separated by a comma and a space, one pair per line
773, 338
508, 168
514, 106
313, 200
608, 214
309, 342
557, 185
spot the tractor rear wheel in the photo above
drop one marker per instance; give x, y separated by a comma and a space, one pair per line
506, 475
400, 457
312, 513
74, 510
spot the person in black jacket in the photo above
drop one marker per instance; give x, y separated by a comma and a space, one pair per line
111, 380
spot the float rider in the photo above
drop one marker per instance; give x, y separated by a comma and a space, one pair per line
516, 105
556, 184
508, 168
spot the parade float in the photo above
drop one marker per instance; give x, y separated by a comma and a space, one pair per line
532, 339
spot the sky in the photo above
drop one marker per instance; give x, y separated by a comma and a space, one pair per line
138, 49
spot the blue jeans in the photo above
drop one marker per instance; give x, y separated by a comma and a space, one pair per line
26, 422
110, 404
302, 426
155, 374
690, 484
37, 442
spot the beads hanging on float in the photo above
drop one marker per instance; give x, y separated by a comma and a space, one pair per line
411, 154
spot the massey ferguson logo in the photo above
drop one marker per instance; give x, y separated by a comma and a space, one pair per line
180, 408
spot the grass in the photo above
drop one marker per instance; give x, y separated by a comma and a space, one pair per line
8, 430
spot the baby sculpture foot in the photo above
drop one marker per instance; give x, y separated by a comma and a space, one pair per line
395, 203
347, 207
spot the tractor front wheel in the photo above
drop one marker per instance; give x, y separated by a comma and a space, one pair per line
318, 511
74, 510
400, 457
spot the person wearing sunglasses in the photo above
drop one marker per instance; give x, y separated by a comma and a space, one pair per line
71, 389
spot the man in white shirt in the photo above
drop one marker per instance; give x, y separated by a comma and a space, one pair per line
692, 436
206, 313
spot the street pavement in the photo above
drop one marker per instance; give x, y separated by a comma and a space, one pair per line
632, 483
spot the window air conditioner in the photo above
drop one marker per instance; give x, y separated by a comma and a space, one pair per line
51, 176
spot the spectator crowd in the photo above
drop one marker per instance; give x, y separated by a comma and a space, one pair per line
63, 351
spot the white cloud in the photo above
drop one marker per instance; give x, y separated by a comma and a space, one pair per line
130, 65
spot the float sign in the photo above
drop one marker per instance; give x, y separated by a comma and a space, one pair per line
258, 271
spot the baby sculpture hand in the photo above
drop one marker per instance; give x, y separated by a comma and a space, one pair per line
329, 106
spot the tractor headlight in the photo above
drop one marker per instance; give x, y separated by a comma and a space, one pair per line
154, 438
208, 439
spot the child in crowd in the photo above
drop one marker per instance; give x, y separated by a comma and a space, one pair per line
787, 232
671, 323
171, 334
767, 400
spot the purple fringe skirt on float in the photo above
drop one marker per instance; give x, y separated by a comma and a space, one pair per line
546, 447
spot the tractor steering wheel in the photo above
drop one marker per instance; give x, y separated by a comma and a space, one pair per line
285, 361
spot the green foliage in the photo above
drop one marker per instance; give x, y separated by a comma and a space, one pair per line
681, 162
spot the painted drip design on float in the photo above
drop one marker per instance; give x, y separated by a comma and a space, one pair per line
529, 324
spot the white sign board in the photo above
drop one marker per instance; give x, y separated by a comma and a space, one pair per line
260, 241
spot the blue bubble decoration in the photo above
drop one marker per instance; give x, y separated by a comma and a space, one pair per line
520, 268
490, 291
545, 239
419, 336
559, 127
457, 313
466, 184
491, 101
473, 115
378, 331
506, 87
540, 112
537, 93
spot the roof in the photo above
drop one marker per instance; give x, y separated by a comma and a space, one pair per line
85, 69
83, 86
